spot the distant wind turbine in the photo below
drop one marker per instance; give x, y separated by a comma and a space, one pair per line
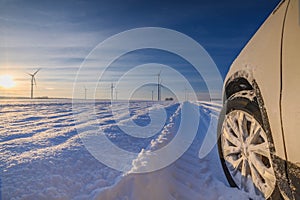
158, 86
185, 93
152, 94
112, 92
33, 81
85, 91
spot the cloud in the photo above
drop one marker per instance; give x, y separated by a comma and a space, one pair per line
58, 35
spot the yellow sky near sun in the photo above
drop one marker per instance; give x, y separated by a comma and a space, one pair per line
18, 84
7, 81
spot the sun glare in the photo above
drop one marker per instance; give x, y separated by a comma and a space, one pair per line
6, 81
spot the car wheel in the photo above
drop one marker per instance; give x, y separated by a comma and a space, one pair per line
244, 149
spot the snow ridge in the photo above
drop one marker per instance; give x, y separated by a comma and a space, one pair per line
189, 177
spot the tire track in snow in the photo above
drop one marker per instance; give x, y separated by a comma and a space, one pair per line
188, 178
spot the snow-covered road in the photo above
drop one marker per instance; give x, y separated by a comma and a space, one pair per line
43, 157
188, 178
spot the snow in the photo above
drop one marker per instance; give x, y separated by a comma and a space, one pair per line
43, 156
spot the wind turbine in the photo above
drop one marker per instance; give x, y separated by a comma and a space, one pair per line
85, 91
158, 86
152, 94
112, 92
33, 81
185, 94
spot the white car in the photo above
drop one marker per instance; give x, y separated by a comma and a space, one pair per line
259, 143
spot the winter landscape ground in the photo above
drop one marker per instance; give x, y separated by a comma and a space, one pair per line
43, 156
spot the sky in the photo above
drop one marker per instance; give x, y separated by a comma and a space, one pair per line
57, 36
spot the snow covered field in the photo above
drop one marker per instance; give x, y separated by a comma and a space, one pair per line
43, 157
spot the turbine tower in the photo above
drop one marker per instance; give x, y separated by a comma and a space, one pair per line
112, 92
33, 81
158, 86
85, 91
152, 94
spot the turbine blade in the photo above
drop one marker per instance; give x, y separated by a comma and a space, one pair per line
160, 71
34, 81
36, 71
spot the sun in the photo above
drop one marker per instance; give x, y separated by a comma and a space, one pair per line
6, 81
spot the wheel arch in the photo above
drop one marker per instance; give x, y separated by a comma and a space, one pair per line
239, 81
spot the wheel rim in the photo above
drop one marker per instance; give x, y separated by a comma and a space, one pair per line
246, 152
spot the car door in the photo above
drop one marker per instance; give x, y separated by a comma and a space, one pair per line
290, 104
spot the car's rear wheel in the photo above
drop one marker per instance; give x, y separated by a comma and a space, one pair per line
244, 149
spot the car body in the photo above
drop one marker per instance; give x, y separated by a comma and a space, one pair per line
262, 92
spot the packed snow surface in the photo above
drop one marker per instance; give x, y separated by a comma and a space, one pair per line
43, 156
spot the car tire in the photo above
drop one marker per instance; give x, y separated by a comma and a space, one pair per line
245, 155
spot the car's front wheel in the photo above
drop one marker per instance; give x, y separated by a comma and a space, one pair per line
244, 150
